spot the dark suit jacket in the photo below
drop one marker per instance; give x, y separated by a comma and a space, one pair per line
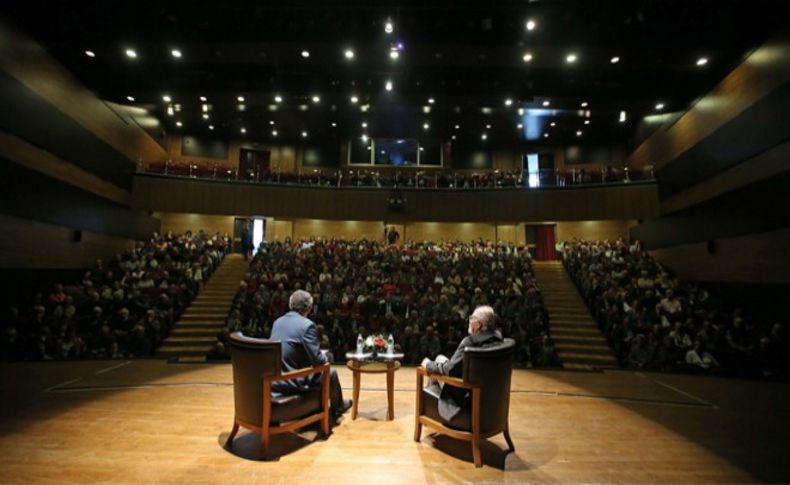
300, 348
453, 399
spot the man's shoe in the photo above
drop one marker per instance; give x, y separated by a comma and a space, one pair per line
343, 407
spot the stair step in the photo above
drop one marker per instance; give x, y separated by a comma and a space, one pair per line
191, 359
183, 351
204, 316
189, 341
582, 357
195, 332
586, 348
577, 339
196, 324
577, 366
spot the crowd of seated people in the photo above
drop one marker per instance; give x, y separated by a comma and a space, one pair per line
120, 308
653, 320
421, 293
405, 178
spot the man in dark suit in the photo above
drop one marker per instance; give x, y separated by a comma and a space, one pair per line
300, 348
482, 333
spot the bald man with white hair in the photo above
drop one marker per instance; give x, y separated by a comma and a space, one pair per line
482, 333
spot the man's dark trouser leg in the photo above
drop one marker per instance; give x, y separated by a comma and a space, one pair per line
335, 392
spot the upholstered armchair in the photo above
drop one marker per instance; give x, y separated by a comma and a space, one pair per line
256, 364
486, 374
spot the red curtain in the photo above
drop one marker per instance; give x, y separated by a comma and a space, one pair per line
544, 242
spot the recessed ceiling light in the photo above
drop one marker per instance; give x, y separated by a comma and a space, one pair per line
584, 104
553, 123
614, 60
426, 109
546, 103
457, 127
364, 125
176, 53
578, 132
622, 116
205, 116
304, 134
90, 53
545, 135
388, 86
305, 54
586, 122
702, 61
453, 137
240, 99
531, 25
130, 98
354, 99
334, 124
394, 54
349, 54
527, 57
274, 132
243, 130
170, 111
425, 126
278, 99
179, 124
132, 54
364, 138
166, 98
570, 58
364, 108
204, 108
388, 27
488, 127
316, 99
210, 127
484, 136
519, 126
508, 102
271, 122
660, 106
431, 100
521, 111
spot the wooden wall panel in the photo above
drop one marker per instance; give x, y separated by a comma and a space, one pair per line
28, 244
633, 201
754, 258
594, 230
28, 62
283, 157
759, 74
179, 223
507, 233
282, 230
307, 228
438, 231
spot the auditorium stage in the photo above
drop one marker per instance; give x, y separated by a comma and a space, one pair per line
148, 421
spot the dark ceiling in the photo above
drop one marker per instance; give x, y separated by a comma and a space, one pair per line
467, 56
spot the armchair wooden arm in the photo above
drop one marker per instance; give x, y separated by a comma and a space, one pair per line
453, 381
285, 376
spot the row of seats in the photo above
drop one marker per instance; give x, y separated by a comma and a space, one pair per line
422, 293
120, 308
654, 320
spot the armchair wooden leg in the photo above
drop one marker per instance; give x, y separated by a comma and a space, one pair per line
265, 439
232, 435
355, 395
476, 451
509, 441
418, 409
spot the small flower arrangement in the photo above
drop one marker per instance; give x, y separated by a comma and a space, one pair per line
376, 343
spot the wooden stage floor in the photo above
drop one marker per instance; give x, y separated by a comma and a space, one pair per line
151, 422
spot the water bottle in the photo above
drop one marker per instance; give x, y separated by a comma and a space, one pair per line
360, 343
390, 344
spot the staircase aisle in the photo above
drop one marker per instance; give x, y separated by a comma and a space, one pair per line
195, 333
579, 342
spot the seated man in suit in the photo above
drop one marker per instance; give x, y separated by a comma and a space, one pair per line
482, 333
301, 348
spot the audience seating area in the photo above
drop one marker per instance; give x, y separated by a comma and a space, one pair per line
421, 293
121, 308
412, 177
653, 320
